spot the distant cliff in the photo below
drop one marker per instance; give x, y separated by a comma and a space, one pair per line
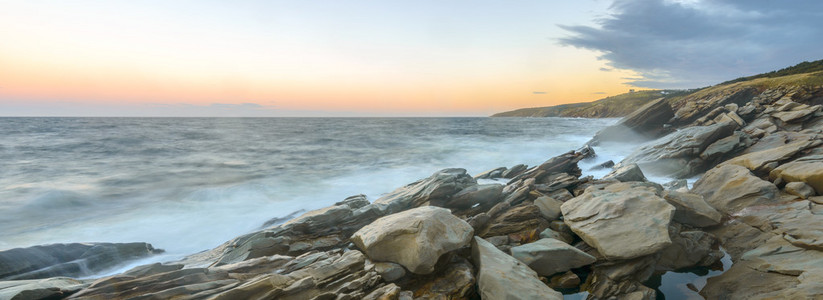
610, 107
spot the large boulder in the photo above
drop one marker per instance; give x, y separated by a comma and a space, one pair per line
644, 123
625, 173
73, 260
678, 154
501, 276
438, 188
622, 220
415, 238
550, 256
729, 188
808, 170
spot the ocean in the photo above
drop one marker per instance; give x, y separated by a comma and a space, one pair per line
189, 184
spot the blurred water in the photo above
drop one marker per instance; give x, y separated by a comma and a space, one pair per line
189, 184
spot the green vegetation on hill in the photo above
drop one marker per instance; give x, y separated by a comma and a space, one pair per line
804, 67
802, 75
609, 107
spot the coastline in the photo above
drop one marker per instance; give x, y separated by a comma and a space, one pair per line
757, 152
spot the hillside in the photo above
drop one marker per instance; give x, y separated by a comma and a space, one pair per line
802, 75
609, 107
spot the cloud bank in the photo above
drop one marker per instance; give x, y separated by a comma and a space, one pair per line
694, 43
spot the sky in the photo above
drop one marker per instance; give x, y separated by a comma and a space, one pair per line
380, 58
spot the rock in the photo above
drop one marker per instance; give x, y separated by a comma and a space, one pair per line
415, 238
799, 189
797, 114
723, 147
151, 269
387, 292
699, 104
615, 279
524, 217
567, 280
550, 256
625, 173
674, 153
491, 174
438, 187
808, 170
514, 171
456, 281
501, 276
605, 165
729, 188
692, 210
549, 207
677, 185
561, 236
763, 162
50, 288
75, 259
690, 248
608, 218
646, 122
389, 271
475, 194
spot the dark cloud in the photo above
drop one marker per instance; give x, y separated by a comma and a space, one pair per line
682, 44
605, 69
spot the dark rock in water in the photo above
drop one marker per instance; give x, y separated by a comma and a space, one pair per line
281, 220
491, 174
437, 188
626, 173
644, 123
605, 165
51, 288
514, 171
677, 185
678, 154
75, 260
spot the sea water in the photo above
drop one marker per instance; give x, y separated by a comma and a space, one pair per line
189, 184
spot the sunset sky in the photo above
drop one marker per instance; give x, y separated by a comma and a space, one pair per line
379, 58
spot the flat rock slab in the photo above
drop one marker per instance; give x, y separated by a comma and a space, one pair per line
691, 209
501, 276
808, 170
549, 256
415, 238
729, 188
622, 220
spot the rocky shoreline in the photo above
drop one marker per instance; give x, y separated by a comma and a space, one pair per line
545, 231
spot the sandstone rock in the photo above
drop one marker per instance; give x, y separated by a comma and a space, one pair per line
800, 189
415, 238
691, 209
672, 154
387, 292
438, 187
567, 280
475, 194
561, 236
766, 160
690, 248
808, 170
524, 217
608, 218
514, 171
456, 281
796, 114
679, 185
624, 173
75, 260
500, 276
550, 256
389, 271
51, 288
491, 174
616, 279
646, 122
729, 188
549, 207
724, 146
698, 104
